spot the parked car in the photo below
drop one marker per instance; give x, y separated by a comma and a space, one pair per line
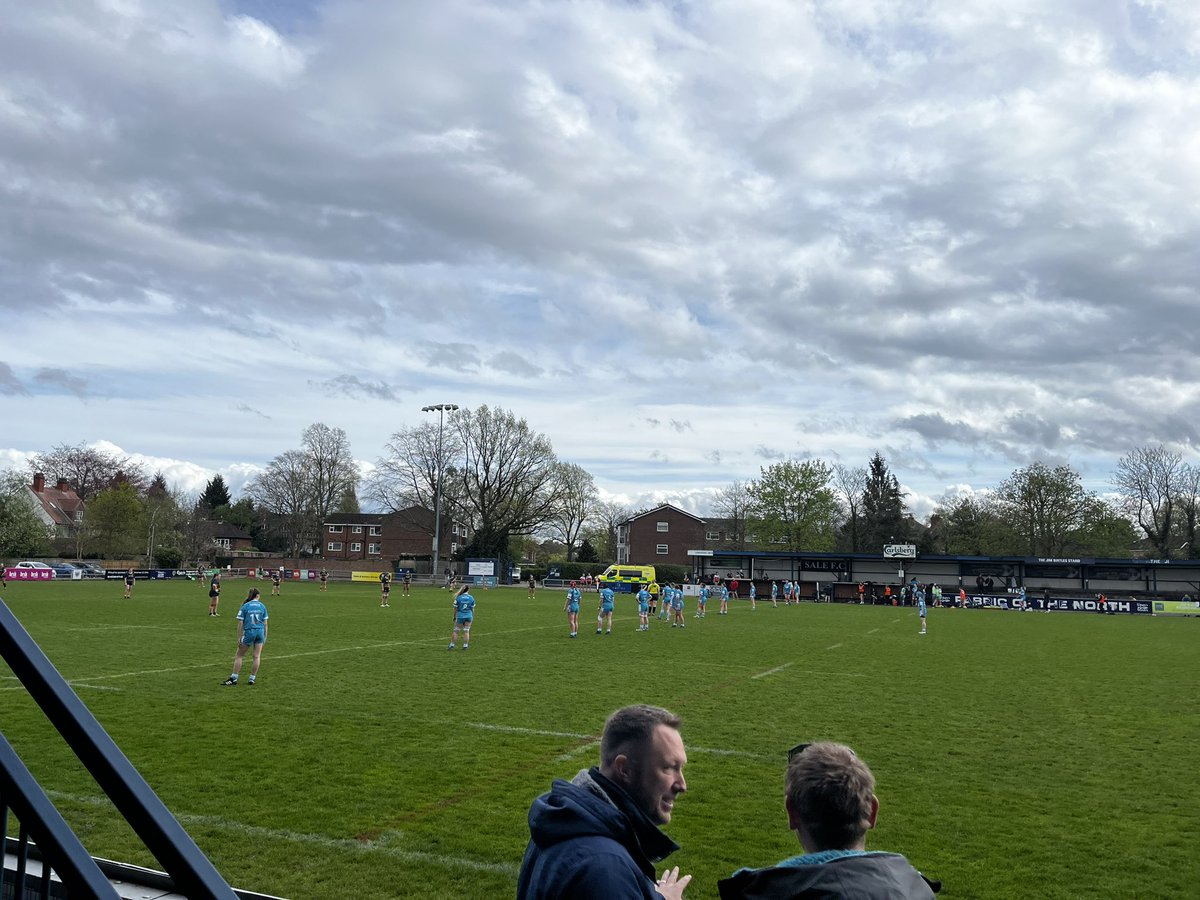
90, 570
64, 570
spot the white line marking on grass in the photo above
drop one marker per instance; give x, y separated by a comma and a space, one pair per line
379, 845
594, 741
770, 671
833, 646
872, 631
513, 729
93, 687
591, 745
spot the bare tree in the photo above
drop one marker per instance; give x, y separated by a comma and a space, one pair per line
508, 482
606, 516
1149, 481
733, 503
286, 490
332, 471
850, 484
406, 475
88, 471
577, 498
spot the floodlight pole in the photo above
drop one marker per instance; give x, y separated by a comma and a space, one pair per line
440, 409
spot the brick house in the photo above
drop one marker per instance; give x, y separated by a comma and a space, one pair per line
58, 507
230, 537
662, 535
385, 537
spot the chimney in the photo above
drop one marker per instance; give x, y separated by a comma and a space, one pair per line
39, 483
62, 485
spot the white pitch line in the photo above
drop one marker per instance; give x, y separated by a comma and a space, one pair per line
872, 631
380, 845
93, 687
770, 671
592, 745
833, 646
594, 741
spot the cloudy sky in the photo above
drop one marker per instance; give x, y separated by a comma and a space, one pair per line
684, 240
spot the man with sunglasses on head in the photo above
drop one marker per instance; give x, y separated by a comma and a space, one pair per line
831, 805
597, 836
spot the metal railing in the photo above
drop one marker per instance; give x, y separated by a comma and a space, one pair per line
189, 869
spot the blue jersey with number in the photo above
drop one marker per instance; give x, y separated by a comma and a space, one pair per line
677, 598
606, 600
464, 607
643, 598
252, 615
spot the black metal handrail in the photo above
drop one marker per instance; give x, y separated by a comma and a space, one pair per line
190, 870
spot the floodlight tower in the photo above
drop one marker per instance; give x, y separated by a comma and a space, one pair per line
441, 409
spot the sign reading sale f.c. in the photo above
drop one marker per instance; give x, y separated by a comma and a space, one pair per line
900, 551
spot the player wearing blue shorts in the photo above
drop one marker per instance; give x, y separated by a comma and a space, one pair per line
702, 602
753, 597
677, 605
464, 613
571, 608
606, 610
643, 599
921, 610
252, 632
724, 600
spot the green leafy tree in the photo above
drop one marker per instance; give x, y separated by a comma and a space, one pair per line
1105, 531
792, 504
215, 493
587, 553
116, 515
968, 526
883, 511
1044, 506
22, 533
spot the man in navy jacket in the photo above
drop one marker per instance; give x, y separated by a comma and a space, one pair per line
596, 837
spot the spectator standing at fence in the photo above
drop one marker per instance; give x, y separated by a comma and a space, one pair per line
464, 615
252, 633
831, 805
214, 593
598, 835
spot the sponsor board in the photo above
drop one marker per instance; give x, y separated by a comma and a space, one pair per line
900, 551
1177, 607
365, 576
825, 565
1124, 607
481, 567
119, 574
15, 574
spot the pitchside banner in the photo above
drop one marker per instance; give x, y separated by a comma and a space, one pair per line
14, 574
1177, 607
1129, 607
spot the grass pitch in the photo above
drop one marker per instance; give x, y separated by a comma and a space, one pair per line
1016, 753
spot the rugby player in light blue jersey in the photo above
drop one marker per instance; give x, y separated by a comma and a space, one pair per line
571, 608
464, 613
753, 597
921, 609
724, 600
606, 610
677, 605
252, 632
643, 600
702, 602
775, 594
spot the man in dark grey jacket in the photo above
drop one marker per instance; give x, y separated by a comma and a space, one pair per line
596, 837
831, 805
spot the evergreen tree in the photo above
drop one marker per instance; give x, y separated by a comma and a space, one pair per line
158, 490
883, 512
587, 553
216, 493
